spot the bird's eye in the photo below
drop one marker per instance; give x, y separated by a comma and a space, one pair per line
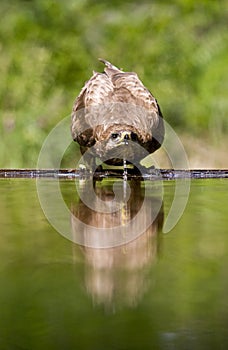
134, 136
114, 135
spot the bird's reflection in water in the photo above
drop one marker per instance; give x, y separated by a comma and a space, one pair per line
118, 276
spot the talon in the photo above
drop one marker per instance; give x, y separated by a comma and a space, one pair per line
82, 167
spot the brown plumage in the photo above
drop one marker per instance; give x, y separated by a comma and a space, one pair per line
113, 113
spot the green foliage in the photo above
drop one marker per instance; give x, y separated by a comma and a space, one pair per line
50, 47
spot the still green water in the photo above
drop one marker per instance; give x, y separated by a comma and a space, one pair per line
160, 291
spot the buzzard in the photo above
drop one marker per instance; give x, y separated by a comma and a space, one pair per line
115, 118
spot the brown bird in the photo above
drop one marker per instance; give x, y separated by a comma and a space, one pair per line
116, 118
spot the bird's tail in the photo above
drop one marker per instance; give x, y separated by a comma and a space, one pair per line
109, 65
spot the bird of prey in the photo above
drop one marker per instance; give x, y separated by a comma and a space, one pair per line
116, 118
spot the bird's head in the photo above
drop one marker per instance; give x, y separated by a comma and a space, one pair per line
122, 137
118, 144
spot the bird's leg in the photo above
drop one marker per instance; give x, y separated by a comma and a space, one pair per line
88, 162
142, 170
151, 170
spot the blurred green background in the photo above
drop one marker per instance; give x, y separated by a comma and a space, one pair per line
50, 48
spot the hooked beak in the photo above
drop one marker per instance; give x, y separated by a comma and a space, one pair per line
127, 136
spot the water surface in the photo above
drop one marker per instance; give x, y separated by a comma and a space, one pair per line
159, 291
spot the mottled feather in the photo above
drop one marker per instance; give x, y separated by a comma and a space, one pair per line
114, 101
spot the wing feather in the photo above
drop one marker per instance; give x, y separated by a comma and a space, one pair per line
95, 92
112, 87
